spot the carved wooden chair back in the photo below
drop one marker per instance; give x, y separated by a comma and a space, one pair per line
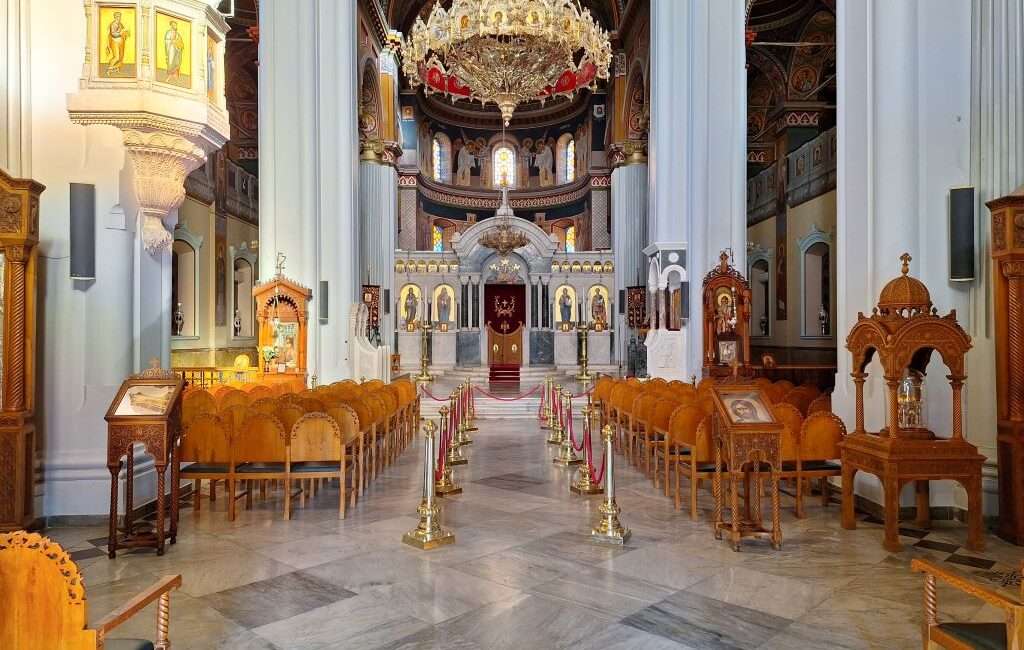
347, 420
207, 439
262, 440
799, 397
259, 391
785, 384
793, 421
684, 429
234, 416
373, 383
706, 402
363, 413
315, 437
217, 389
311, 404
267, 405
289, 413
707, 383
775, 391
196, 402
227, 399
661, 417
820, 436
643, 407
821, 403
290, 397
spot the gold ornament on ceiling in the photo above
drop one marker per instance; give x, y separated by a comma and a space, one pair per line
507, 52
503, 237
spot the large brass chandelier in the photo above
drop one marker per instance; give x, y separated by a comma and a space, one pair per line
504, 238
506, 51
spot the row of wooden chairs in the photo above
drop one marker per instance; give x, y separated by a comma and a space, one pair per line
665, 428
347, 431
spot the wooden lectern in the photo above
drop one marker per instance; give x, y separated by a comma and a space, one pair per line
19, 235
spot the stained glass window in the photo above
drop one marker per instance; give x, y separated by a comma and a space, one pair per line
437, 161
437, 241
504, 167
570, 161
570, 239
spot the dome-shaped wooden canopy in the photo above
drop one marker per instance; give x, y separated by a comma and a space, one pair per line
904, 295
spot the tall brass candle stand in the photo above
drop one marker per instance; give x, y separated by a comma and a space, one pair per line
566, 454
609, 529
455, 456
424, 377
556, 426
446, 485
584, 483
583, 332
428, 534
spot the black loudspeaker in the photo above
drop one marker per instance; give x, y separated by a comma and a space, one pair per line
387, 301
322, 301
961, 234
622, 302
83, 231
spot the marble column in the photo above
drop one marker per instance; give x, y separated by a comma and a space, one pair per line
997, 168
378, 209
309, 162
903, 119
629, 214
698, 138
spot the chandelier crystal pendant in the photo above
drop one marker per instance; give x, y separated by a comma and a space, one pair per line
504, 238
507, 52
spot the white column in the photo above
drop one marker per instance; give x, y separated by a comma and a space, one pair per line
15, 114
997, 168
629, 211
308, 162
904, 119
698, 138
378, 210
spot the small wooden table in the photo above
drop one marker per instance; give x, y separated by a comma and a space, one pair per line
146, 411
745, 443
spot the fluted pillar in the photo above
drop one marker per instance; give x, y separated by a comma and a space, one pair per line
378, 210
309, 163
629, 214
15, 114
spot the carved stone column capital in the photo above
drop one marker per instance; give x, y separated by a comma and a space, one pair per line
380, 151
630, 152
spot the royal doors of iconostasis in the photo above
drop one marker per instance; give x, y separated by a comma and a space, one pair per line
505, 318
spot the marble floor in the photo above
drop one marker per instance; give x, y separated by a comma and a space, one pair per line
524, 573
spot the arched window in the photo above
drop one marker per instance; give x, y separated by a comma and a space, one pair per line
242, 319
184, 289
441, 158
570, 161
570, 239
504, 166
565, 159
816, 281
437, 238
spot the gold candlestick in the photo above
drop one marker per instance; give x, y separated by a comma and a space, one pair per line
446, 485
583, 332
584, 483
566, 454
428, 534
424, 377
556, 427
609, 529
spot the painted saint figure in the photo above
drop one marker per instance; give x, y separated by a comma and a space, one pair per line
174, 46
565, 305
412, 304
466, 162
724, 315
598, 310
117, 36
444, 304
545, 162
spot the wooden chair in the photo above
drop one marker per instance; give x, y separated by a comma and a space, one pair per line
230, 398
258, 452
646, 438
821, 403
317, 450
258, 392
820, 436
44, 602
789, 450
311, 404
289, 413
776, 390
690, 430
666, 453
268, 405
964, 636
622, 402
206, 446
196, 402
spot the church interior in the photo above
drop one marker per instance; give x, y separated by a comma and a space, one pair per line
656, 324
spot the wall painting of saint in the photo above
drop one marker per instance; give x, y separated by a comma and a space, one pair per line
116, 42
173, 50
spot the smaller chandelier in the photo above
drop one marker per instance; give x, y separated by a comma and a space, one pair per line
504, 238
506, 52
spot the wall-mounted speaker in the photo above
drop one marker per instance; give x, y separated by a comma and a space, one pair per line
622, 302
961, 234
387, 301
322, 301
83, 231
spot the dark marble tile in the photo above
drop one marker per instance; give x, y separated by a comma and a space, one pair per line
86, 554
275, 599
913, 532
99, 541
937, 546
967, 560
514, 482
703, 622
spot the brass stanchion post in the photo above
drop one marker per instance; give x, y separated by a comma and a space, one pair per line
584, 483
445, 485
566, 454
545, 404
455, 456
428, 534
609, 529
556, 425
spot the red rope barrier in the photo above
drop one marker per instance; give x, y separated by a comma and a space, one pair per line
572, 432
431, 395
585, 393
509, 399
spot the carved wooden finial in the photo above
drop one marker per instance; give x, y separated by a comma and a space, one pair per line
723, 260
281, 257
905, 258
